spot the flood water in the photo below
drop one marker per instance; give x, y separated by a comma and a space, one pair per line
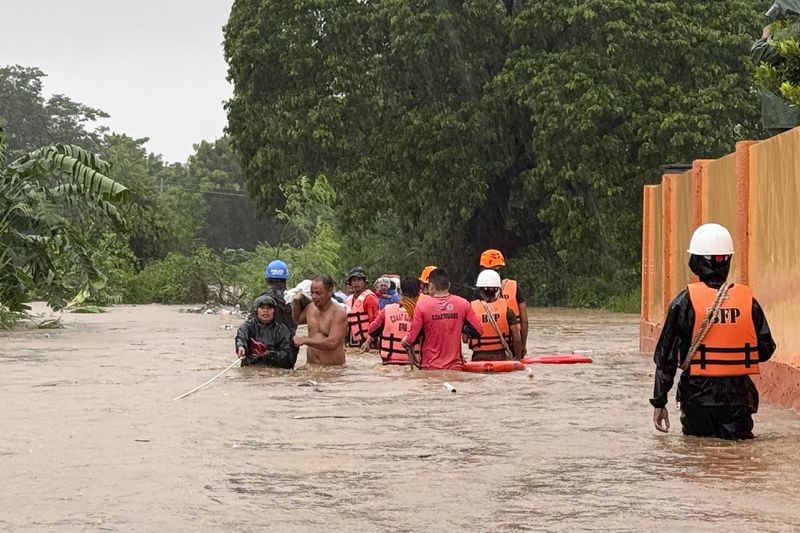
92, 439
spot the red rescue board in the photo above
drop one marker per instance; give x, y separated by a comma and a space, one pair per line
560, 359
493, 366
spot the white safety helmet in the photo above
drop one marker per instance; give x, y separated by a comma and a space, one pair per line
711, 239
489, 279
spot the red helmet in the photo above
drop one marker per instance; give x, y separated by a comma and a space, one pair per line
492, 258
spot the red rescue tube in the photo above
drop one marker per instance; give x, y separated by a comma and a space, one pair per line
493, 366
561, 359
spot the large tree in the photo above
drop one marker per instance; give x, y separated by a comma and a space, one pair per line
450, 126
164, 214
33, 121
229, 216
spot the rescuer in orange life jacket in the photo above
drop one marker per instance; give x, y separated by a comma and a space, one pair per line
362, 307
509, 290
392, 324
489, 347
716, 395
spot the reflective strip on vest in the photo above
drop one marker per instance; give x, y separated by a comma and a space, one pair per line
357, 318
731, 347
489, 340
396, 325
509, 291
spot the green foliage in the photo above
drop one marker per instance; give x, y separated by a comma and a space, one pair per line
88, 309
177, 279
229, 217
791, 91
629, 302
778, 61
159, 222
313, 250
447, 128
539, 272
237, 276
767, 77
49, 200
33, 121
788, 71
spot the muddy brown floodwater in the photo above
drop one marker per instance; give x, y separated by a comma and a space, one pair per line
93, 441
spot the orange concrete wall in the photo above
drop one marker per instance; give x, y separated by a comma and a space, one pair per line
652, 266
775, 237
682, 211
755, 193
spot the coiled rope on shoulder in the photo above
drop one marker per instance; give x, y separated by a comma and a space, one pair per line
493, 322
712, 316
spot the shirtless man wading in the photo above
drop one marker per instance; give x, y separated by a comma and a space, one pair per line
327, 325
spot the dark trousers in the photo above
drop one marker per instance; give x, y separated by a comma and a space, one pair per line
724, 422
489, 356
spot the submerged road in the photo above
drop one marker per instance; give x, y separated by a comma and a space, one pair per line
93, 441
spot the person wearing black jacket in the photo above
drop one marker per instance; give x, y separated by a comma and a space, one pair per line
262, 340
716, 396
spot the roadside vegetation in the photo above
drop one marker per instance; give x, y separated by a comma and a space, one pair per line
448, 128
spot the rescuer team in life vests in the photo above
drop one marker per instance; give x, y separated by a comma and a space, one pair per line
400, 317
714, 330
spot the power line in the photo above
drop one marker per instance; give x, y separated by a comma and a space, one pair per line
220, 192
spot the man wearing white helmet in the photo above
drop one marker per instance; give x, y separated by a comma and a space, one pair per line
500, 333
716, 395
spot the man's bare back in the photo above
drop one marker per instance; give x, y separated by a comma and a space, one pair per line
327, 325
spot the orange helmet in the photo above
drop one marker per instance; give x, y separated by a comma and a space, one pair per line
492, 258
427, 272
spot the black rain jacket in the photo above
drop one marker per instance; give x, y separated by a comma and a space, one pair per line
274, 335
676, 338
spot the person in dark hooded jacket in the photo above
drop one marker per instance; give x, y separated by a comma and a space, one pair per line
262, 340
716, 395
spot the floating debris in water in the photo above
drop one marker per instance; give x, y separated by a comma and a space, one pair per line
448, 387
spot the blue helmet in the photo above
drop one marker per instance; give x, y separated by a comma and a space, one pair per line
276, 269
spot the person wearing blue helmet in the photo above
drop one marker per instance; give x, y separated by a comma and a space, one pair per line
277, 273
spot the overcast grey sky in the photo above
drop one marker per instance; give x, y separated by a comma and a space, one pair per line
156, 66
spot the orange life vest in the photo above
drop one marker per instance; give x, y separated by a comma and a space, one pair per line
489, 341
731, 347
509, 291
357, 318
396, 325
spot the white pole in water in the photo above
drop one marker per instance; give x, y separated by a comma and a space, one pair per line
207, 382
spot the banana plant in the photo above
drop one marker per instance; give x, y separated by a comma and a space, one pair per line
51, 200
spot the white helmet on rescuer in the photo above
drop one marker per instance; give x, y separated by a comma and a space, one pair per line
489, 279
711, 239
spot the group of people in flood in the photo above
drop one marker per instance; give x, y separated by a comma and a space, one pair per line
407, 320
714, 330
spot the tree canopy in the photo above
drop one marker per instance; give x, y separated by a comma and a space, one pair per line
32, 121
449, 127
